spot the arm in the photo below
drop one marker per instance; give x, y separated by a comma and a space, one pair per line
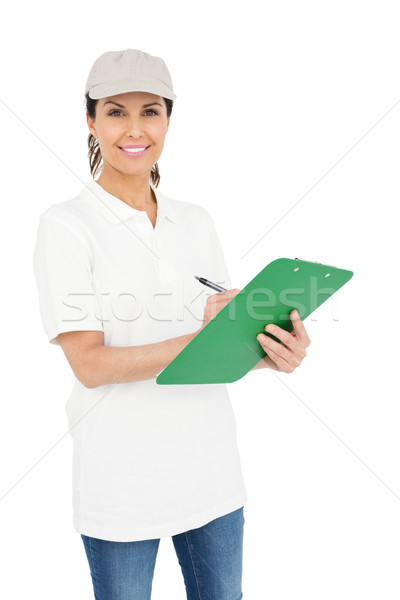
95, 364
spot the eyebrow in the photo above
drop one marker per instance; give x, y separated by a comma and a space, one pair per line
122, 106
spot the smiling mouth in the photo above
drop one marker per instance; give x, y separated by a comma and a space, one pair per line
133, 148
134, 152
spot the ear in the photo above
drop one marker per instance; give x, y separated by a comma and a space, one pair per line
91, 126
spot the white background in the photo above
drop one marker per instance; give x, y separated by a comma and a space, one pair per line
286, 128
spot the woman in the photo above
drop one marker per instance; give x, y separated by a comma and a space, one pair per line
115, 273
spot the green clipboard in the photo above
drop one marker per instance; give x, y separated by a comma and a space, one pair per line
226, 348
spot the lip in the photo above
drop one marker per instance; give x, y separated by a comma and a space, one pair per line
136, 154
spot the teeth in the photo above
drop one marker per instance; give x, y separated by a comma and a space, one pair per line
133, 150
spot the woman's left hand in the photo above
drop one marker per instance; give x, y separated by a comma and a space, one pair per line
289, 354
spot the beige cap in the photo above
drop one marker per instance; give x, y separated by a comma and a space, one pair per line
129, 70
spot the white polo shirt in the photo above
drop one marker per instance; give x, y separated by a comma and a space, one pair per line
149, 460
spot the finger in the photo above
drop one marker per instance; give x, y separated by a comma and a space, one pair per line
268, 344
222, 299
282, 335
223, 296
230, 293
279, 361
299, 329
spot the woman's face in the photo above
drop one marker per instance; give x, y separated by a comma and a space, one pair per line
130, 119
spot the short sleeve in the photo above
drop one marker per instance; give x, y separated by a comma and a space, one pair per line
63, 271
222, 276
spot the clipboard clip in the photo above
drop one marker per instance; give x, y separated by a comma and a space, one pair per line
317, 263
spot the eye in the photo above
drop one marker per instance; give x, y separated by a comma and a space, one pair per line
149, 110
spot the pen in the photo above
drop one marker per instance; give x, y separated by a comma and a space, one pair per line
210, 284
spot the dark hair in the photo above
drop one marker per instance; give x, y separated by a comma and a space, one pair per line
94, 152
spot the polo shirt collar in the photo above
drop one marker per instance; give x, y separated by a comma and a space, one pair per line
116, 210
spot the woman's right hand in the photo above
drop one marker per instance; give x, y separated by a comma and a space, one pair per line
215, 303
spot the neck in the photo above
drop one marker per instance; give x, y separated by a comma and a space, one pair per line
134, 191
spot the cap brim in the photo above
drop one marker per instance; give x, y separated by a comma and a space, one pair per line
131, 84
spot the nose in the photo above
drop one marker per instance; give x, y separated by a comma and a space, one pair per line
134, 127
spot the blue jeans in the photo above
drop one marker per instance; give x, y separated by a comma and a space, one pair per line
210, 558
